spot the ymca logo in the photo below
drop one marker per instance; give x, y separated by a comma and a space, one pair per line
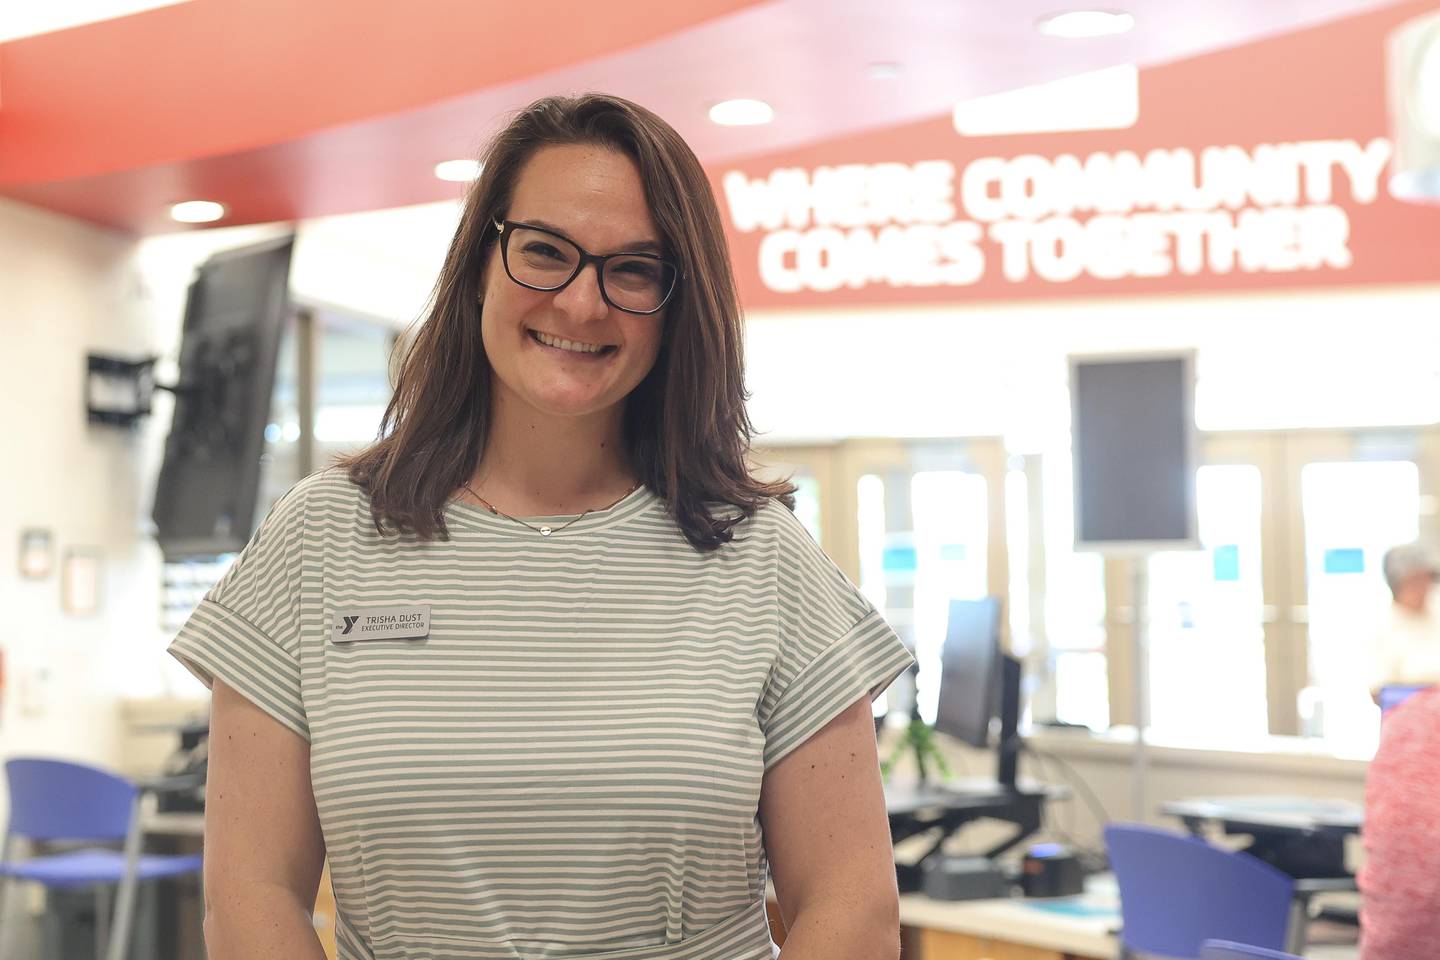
352, 624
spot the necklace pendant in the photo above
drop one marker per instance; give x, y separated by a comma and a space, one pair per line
545, 531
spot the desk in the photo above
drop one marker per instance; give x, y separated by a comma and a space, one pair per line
1069, 928
1300, 836
951, 805
174, 824
182, 826
1013, 929
180, 917
1332, 818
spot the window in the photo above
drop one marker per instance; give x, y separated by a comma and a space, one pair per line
1206, 638
1074, 608
921, 544
1353, 513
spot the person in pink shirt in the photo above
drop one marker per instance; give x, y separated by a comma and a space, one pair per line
1400, 880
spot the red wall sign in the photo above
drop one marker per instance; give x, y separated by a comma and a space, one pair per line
1262, 166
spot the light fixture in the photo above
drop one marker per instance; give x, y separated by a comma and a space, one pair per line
20, 20
1083, 24
741, 113
1107, 99
197, 211
458, 171
1425, 82
1413, 64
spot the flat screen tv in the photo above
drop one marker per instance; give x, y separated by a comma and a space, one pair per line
235, 314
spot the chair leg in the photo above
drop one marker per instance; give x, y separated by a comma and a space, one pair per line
1296, 936
125, 896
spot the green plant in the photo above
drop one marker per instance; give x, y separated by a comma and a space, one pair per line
919, 736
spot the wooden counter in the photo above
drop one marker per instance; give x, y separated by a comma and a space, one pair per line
1074, 929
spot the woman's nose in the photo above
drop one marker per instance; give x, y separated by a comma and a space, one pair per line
581, 297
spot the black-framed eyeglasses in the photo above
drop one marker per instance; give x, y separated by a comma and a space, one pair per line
540, 259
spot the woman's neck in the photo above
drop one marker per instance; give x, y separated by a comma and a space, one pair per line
536, 465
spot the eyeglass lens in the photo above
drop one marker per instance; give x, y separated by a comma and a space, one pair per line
546, 261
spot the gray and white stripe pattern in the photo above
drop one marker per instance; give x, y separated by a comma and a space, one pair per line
569, 764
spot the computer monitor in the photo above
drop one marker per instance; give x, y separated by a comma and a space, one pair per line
969, 678
979, 683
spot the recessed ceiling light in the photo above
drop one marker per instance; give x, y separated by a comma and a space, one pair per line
741, 113
458, 171
19, 20
197, 211
1106, 99
1082, 24
884, 70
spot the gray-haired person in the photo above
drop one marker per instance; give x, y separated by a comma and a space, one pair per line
1407, 647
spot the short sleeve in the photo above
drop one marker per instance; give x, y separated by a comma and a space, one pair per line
247, 629
834, 646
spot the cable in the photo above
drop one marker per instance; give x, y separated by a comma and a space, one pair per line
1092, 859
1066, 835
1097, 809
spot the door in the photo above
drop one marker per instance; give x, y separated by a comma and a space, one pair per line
1207, 607
913, 523
1357, 495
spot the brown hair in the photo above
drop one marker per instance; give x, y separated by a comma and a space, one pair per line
686, 428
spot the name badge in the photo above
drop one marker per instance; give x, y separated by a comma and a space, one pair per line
381, 623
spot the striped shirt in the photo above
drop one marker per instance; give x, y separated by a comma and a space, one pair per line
568, 764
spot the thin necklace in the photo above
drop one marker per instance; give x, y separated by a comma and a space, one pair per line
545, 531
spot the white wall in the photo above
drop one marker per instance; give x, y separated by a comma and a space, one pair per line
66, 289
1339, 357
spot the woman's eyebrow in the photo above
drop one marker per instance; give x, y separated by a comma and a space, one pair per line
639, 246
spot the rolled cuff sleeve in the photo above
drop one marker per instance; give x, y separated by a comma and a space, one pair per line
218, 642
861, 663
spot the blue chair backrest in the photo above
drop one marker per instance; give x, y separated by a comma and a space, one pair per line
1225, 950
56, 800
1177, 891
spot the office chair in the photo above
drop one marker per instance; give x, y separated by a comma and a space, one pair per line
1226, 950
1177, 892
54, 800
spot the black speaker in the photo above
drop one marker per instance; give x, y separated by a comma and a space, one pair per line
1134, 445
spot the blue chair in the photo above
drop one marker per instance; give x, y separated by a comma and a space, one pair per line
1177, 891
51, 800
1225, 950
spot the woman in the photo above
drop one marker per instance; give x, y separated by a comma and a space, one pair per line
1400, 879
1407, 647
545, 671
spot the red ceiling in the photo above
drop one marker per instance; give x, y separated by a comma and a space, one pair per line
284, 109
220, 76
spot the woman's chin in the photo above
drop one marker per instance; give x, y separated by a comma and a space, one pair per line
571, 406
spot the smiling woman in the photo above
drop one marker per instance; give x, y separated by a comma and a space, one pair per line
610, 683
569, 334
592, 222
